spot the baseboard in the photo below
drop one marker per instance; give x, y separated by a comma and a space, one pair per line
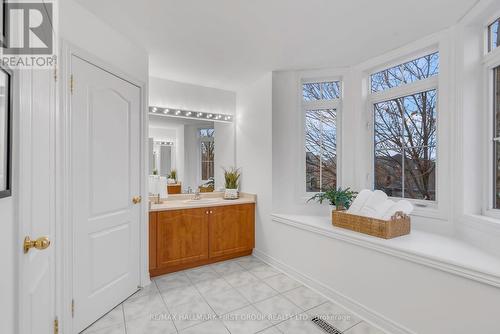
356, 308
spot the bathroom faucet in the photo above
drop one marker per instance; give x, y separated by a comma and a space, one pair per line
197, 194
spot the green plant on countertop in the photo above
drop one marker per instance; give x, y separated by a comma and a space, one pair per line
341, 198
155, 172
209, 184
173, 175
232, 176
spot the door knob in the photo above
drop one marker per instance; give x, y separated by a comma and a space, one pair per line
40, 243
136, 199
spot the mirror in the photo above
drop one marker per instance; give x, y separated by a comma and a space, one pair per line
195, 150
5, 133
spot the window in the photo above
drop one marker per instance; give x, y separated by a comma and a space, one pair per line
320, 107
207, 150
405, 130
493, 35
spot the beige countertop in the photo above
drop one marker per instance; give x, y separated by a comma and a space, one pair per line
186, 201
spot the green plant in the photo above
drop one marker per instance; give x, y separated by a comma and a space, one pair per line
173, 174
232, 176
155, 172
210, 183
341, 198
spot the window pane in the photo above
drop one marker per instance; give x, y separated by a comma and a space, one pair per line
407, 125
321, 91
388, 125
420, 173
418, 69
329, 152
494, 36
311, 91
321, 149
389, 172
496, 147
420, 122
207, 132
207, 159
331, 90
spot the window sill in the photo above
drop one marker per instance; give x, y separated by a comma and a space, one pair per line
447, 254
481, 221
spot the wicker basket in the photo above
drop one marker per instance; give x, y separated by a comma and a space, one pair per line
206, 189
398, 225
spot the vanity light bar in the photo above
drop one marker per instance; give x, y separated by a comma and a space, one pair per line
179, 113
164, 143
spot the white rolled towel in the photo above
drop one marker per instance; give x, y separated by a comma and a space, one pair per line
382, 209
403, 206
372, 205
360, 201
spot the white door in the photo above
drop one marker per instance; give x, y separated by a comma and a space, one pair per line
105, 177
36, 198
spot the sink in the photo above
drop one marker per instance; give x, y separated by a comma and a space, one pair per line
202, 201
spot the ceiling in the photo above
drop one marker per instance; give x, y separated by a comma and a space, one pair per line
228, 43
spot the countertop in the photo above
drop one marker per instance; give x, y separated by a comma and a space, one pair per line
185, 201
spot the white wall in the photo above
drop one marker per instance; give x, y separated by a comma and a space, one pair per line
166, 93
254, 150
85, 30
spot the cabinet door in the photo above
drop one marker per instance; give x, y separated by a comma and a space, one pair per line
182, 237
231, 229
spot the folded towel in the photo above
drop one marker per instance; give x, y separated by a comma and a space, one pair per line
360, 201
372, 205
403, 206
382, 209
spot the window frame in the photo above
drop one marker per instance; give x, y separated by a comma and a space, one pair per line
319, 105
431, 83
491, 60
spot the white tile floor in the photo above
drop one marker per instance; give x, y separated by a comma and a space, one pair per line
241, 296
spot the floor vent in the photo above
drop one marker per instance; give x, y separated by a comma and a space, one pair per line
325, 326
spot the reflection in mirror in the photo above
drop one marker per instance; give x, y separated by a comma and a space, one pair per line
4, 134
192, 150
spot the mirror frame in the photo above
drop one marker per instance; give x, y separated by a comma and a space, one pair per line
8, 135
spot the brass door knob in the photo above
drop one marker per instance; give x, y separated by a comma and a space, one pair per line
40, 243
137, 199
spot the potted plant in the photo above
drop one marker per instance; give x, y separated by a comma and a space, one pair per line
231, 176
208, 186
340, 198
172, 177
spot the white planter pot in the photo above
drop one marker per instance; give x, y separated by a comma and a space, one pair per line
231, 194
330, 209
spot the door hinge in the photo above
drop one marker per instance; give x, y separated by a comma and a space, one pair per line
71, 84
56, 326
72, 308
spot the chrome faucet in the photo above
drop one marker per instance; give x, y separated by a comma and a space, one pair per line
197, 194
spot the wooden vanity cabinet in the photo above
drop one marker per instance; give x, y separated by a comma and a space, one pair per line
231, 229
181, 239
